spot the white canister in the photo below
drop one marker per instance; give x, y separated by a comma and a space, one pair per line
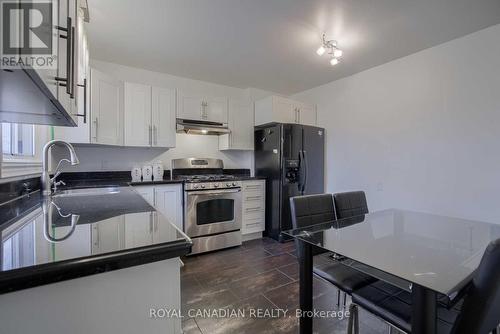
147, 173
136, 174
158, 171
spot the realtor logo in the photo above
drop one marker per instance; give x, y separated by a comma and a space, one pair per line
28, 37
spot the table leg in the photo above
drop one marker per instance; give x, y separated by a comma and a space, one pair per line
306, 286
424, 312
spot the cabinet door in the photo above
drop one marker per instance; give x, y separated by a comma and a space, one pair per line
63, 52
147, 192
216, 109
107, 235
284, 110
138, 127
240, 122
163, 116
48, 76
307, 114
75, 50
78, 245
168, 201
190, 106
80, 134
107, 109
138, 229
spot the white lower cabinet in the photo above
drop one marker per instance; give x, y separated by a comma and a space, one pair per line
108, 235
166, 199
139, 229
254, 213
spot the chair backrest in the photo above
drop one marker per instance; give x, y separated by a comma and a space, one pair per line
311, 209
480, 311
350, 204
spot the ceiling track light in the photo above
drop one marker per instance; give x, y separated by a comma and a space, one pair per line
331, 47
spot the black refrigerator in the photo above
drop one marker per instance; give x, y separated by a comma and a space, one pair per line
291, 158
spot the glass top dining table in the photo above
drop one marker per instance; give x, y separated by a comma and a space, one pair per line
436, 253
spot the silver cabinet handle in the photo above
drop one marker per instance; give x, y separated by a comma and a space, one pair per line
251, 198
96, 122
204, 114
151, 222
155, 134
256, 186
150, 134
253, 209
97, 239
298, 115
251, 224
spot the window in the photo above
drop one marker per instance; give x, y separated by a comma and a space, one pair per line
21, 149
18, 140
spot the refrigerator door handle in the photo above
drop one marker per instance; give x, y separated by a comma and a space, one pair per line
301, 162
304, 156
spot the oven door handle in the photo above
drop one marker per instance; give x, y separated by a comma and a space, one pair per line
210, 193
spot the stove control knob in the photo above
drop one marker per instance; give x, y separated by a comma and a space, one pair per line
228, 184
234, 184
216, 185
195, 186
202, 186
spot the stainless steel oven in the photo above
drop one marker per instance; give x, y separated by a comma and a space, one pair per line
212, 204
213, 211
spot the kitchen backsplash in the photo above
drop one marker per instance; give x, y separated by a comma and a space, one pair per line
106, 158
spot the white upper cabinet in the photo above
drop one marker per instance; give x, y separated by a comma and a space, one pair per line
283, 110
138, 127
190, 106
202, 108
163, 116
81, 133
240, 122
107, 109
306, 114
149, 116
216, 109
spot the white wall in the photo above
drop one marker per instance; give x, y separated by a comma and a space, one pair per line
94, 158
421, 132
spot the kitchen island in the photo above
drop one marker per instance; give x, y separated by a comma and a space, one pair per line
88, 261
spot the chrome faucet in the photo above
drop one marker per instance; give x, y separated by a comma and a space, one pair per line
47, 181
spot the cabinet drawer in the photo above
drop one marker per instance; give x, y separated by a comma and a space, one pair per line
253, 196
253, 215
254, 186
253, 206
253, 225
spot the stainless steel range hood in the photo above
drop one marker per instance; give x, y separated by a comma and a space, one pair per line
201, 127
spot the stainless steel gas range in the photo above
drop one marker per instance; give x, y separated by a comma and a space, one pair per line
212, 204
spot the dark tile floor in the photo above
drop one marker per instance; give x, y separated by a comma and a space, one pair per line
261, 275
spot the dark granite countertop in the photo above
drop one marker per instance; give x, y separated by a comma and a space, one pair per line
79, 233
123, 178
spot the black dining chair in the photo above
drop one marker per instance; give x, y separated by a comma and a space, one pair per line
350, 204
315, 209
477, 312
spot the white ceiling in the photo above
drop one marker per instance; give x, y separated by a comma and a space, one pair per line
271, 44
